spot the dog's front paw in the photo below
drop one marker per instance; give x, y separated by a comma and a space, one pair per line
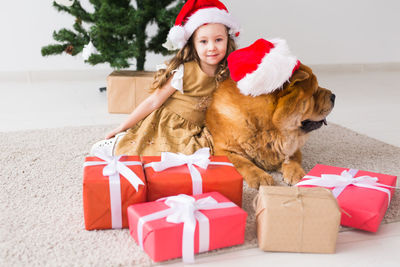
260, 179
292, 173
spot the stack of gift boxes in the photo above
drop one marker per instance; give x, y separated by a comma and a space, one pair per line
178, 205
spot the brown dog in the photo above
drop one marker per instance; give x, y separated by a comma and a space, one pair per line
265, 132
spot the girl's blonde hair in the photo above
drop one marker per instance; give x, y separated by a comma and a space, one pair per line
188, 53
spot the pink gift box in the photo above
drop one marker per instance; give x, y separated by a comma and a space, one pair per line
362, 208
162, 240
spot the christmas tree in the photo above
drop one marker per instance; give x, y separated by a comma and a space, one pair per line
115, 31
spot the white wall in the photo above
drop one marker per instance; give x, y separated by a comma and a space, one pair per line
318, 31
326, 31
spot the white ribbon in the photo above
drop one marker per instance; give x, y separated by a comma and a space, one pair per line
114, 167
200, 158
346, 178
186, 209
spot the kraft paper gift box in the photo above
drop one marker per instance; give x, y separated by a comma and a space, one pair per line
110, 185
173, 174
127, 89
294, 219
182, 225
362, 196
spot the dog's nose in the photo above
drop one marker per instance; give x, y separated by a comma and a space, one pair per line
333, 98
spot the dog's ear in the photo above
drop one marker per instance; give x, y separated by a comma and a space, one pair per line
305, 79
287, 114
298, 76
290, 100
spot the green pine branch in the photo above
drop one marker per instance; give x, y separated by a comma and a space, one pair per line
75, 10
53, 49
117, 30
164, 18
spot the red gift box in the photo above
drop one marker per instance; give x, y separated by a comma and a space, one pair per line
219, 222
363, 196
107, 192
219, 176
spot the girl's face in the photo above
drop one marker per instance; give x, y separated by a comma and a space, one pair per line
210, 42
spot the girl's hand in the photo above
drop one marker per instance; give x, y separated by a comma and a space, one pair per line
151, 103
113, 133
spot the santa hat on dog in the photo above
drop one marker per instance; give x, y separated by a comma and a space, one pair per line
262, 67
194, 14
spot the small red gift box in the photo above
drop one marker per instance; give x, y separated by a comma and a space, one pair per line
182, 225
110, 185
363, 196
186, 174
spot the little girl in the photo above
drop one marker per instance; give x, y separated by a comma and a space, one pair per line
172, 117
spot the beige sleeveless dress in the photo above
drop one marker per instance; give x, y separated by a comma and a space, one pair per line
178, 125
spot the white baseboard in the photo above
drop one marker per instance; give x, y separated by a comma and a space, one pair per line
101, 75
54, 75
387, 66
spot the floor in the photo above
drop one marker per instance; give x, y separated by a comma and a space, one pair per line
366, 102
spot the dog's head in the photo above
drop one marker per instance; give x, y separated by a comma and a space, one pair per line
302, 104
268, 71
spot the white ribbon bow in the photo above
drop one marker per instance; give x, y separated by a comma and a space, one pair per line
346, 178
114, 167
186, 209
200, 158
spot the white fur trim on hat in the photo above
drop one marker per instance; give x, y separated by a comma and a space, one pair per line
274, 70
209, 15
176, 38
179, 35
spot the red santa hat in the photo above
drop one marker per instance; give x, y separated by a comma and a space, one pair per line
262, 67
194, 14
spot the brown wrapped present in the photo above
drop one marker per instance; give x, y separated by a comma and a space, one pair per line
294, 219
126, 89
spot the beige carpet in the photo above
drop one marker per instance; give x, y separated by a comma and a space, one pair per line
41, 195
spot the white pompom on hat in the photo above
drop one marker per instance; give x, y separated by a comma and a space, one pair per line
262, 67
196, 13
